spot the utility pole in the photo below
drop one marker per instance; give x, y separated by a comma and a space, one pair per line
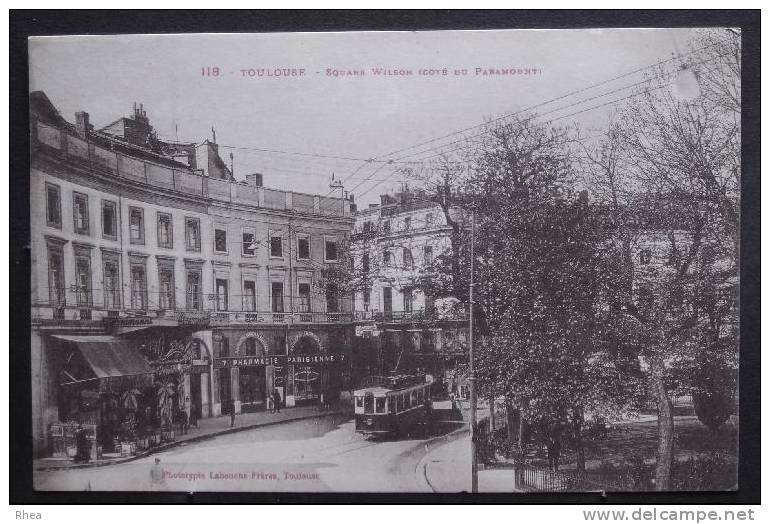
472, 377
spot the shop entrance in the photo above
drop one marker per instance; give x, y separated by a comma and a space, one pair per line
225, 391
252, 386
308, 380
196, 400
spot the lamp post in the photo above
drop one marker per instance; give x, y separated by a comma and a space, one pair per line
472, 377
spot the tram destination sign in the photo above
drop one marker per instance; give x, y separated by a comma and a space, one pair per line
278, 360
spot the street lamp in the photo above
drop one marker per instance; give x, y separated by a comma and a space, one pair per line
472, 376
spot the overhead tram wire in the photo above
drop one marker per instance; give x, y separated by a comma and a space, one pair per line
546, 102
384, 161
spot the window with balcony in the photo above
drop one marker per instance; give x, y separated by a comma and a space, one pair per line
112, 286
408, 300
427, 255
387, 259
165, 231
249, 246
303, 247
386, 226
365, 263
367, 299
167, 298
194, 290
139, 285
83, 280
276, 296
109, 220
192, 228
303, 302
56, 283
80, 213
53, 205
408, 260
136, 225
249, 295
429, 219
330, 251
221, 295
332, 298
220, 240
276, 246
407, 223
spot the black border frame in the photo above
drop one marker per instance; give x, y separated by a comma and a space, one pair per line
24, 23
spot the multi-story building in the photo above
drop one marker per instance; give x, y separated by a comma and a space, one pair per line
394, 246
153, 268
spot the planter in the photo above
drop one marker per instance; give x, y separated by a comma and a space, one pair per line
127, 449
168, 436
154, 439
142, 444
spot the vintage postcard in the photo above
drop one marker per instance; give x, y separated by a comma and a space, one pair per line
437, 261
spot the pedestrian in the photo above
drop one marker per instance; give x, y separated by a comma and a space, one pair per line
452, 399
156, 476
82, 445
183, 421
193, 415
232, 415
277, 400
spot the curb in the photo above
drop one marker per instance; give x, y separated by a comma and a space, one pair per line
177, 443
429, 446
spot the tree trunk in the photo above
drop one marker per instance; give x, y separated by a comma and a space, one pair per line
577, 429
510, 420
665, 428
491, 414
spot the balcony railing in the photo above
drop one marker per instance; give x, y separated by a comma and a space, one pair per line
179, 179
409, 316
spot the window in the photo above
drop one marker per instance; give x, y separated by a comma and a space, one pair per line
359, 402
109, 219
276, 246
379, 405
407, 223
80, 213
249, 295
367, 298
194, 290
303, 290
222, 294
387, 259
167, 298
367, 227
138, 285
330, 252
249, 248
165, 231
276, 296
407, 300
221, 346
53, 205
428, 219
386, 226
645, 255
408, 260
303, 247
332, 299
427, 255
83, 280
192, 235
56, 289
365, 263
220, 240
136, 225
111, 283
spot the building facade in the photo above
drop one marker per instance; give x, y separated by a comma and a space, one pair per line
401, 328
153, 268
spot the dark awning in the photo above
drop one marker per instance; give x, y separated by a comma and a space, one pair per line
107, 357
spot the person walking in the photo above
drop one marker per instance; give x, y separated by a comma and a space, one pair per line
156, 476
232, 415
183, 422
276, 400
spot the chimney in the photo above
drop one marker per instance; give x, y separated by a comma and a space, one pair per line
254, 179
82, 123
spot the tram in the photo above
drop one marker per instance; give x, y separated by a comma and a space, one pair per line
392, 406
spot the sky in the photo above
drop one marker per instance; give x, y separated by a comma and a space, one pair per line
316, 115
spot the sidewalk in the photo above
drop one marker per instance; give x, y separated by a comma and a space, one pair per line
207, 428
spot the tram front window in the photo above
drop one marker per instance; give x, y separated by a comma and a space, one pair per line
380, 405
369, 403
359, 402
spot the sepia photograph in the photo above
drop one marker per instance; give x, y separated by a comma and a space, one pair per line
455, 261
